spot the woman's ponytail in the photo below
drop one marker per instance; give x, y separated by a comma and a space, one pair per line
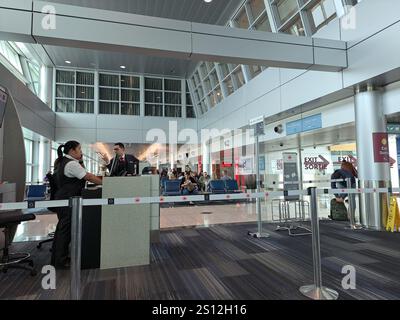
60, 153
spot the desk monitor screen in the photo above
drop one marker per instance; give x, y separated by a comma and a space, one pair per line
3, 102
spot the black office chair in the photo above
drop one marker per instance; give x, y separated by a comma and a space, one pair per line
14, 260
51, 238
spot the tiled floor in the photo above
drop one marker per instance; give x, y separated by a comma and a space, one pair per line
178, 216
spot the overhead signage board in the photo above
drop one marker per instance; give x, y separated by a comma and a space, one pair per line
256, 120
303, 125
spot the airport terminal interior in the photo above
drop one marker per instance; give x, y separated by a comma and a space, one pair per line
199, 150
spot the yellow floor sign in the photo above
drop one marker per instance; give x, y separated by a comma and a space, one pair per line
393, 220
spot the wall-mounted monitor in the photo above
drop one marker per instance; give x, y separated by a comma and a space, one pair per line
3, 102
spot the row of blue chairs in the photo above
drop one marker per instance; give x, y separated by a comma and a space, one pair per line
36, 192
172, 187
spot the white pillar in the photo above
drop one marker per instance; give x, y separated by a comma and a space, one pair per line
370, 119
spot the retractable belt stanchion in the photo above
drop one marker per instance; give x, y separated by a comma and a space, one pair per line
76, 239
316, 291
259, 233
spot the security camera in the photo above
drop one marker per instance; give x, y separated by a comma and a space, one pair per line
281, 144
278, 129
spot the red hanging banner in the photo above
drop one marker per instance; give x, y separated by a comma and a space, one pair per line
381, 147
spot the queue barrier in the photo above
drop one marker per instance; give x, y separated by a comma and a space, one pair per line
315, 291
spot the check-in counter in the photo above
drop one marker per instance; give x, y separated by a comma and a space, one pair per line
116, 236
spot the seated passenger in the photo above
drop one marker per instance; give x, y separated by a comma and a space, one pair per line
188, 185
225, 175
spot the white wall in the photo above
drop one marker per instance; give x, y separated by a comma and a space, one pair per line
91, 128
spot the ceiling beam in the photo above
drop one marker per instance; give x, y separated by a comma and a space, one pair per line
115, 31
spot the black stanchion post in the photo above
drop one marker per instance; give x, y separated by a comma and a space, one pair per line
316, 291
76, 238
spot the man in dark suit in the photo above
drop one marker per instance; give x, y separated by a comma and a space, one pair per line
122, 164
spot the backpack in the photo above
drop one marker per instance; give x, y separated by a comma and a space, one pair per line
338, 211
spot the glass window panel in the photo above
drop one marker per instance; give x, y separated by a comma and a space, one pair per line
286, 8
224, 69
329, 7
11, 55
207, 84
85, 78
256, 7
173, 98
172, 85
131, 109
108, 80
213, 78
241, 20
109, 94
232, 66
34, 70
153, 110
130, 82
255, 71
65, 77
229, 85
203, 70
29, 174
188, 99
153, 83
173, 111
262, 24
37, 87
84, 106
190, 112
64, 105
196, 78
65, 91
203, 106
318, 15
210, 66
296, 28
201, 92
238, 75
109, 108
154, 96
130, 95
84, 92
28, 150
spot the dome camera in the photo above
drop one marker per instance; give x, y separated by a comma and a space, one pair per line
278, 129
281, 144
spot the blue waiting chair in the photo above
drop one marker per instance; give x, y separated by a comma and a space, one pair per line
36, 192
216, 186
172, 188
231, 186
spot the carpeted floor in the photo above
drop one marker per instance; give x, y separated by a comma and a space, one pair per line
222, 262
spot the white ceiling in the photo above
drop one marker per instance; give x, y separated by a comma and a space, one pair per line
216, 12
104, 60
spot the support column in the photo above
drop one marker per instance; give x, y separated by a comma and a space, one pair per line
370, 119
206, 158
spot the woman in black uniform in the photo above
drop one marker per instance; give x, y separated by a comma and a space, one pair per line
70, 178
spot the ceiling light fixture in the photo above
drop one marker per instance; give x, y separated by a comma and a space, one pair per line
67, 62
122, 67
207, 1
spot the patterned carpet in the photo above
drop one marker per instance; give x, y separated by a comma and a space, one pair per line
222, 262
